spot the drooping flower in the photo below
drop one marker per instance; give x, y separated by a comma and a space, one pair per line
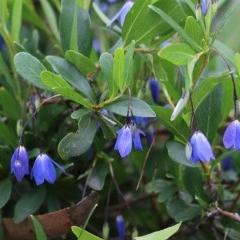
201, 148
154, 88
43, 169
126, 135
19, 163
120, 226
231, 137
121, 14
205, 7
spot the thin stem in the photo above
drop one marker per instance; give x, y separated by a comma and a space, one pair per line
129, 112
193, 123
235, 96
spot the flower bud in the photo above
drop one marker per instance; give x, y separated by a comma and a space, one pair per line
120, 227
105, 231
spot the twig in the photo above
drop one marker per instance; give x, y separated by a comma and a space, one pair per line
54, 224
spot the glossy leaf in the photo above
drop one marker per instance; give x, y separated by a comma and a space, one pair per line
5, 190
177, 153
118, 69
16, 19
82, 63
59, 85
39, 232
143, 25
29, 204
82, 234
75, 144
128, 67
161, 235
97, 176
204, 89
208, 114
177, 53
139, 107
180, 210
71, 74
51, 18
177, 127
74, 26
175, 26
194, 30
106, 62
29, 68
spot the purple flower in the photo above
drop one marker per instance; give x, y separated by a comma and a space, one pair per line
120, 227
19, 163
201, 148
205, 7
126, 135
1, 43
231, 137
227, 164
121, 14
154, 88
43, 169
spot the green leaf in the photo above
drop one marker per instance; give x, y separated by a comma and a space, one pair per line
59, 85
7, 135
75, 144
39, 232
29, 203
29, 68
193, 182
177, 53
194, 30
72, 75
75, 32
161, 235
176, 27
80, 113
178, 127
176, 152
4, 14
16, 20
179, 210
10, 106
166, 189
208, 114
108, 126
5, 190
237, 62
205, 88
82, 234
139, 107
82, 63
106, 62
143, 25
128, 71
118, 69
227, 52
97, 176
51, 17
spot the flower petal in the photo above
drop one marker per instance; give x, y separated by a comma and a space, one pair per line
230, 135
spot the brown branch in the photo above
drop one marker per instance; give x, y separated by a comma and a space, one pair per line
54, 224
